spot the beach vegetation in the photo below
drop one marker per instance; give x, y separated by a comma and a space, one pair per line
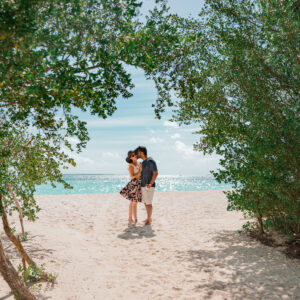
33, 274
29, 160
58, 58
24, 237
237, 76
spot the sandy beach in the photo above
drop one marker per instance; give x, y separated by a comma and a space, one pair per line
192, 251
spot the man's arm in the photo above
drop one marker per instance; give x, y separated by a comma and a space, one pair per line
155, 174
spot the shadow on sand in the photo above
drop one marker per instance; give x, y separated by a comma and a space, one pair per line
7, 296
133, 232
32, 246
240, 268
35, 252
37, 295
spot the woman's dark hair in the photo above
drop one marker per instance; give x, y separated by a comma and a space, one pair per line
142, 149
128, 159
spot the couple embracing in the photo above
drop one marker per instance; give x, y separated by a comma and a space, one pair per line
142, 184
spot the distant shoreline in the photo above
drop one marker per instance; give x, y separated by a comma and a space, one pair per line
109, 184
114, 193
204, 176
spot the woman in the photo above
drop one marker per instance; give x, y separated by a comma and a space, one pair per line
132, 191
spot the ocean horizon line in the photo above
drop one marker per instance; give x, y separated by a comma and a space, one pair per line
112, 183
126, 174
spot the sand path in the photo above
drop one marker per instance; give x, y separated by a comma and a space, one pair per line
192, 251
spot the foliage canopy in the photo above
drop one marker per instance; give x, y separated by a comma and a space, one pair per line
56, 58
237, 75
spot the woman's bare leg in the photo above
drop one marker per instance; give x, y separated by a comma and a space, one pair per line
130, 212
134, 211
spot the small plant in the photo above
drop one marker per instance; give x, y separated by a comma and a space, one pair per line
36, 287
250, 227
31, 274
24, 237
51, 277
34, 274
13, 227
16, 294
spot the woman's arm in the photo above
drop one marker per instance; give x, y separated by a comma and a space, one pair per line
131, 171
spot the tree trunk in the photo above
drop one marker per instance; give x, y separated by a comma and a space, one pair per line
19, 208
259, 218
260, 222
12, 278
21, 219
18, 244
13, 239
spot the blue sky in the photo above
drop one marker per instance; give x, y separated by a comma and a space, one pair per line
134, 124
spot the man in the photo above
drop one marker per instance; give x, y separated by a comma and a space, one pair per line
148, 177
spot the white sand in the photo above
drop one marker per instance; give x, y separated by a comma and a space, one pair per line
192, 251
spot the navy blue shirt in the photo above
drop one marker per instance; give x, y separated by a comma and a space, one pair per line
149, 166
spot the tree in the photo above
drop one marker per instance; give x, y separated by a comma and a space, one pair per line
58, 57
237, 75
26, 160
11, 276
54, 56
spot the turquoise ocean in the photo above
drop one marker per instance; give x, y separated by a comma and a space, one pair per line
99, 184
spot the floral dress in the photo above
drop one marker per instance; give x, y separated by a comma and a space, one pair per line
132, 190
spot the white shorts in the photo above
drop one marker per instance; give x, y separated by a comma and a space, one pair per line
147, 195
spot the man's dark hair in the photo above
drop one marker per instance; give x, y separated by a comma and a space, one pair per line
142, 149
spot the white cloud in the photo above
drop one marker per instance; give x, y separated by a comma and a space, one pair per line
156, 140
99, 162
151, 131
170, 124
82, 159
175, 136
113, 122
189, 129
187, 151
111, 155
79, 158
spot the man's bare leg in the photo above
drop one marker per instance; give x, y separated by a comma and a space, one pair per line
150, 208
145, 221
149, 213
